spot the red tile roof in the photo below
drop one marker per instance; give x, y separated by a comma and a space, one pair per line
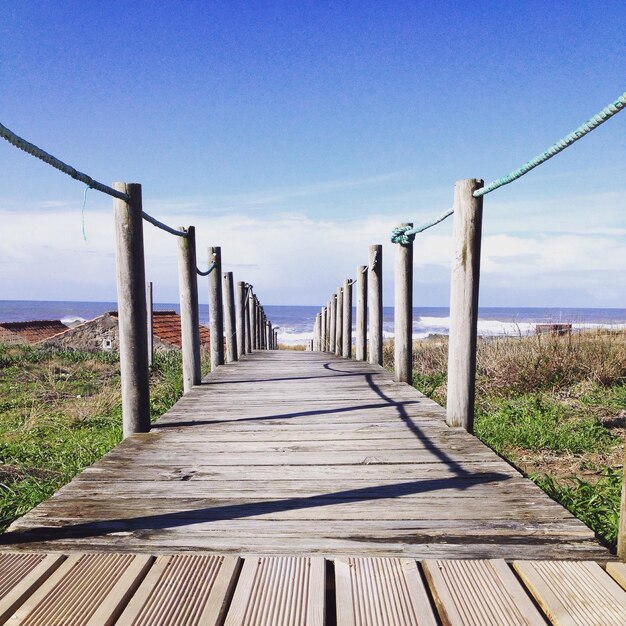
166, 326
36, 330
9, 338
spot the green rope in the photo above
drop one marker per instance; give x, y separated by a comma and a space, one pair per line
607, 113
33, 150
405, 234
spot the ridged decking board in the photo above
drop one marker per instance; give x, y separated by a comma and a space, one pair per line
292, 453
211, 590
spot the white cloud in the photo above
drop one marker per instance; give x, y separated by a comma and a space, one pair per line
299, 257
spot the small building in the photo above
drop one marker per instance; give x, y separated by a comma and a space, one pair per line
553, 329
32, 332
102, 333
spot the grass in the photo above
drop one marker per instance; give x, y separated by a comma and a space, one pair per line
554, 406
60, 411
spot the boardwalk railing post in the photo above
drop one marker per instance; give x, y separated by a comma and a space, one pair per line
252, 305
333, 323
318, 332
241, 319
132, 315
216, 308
403, 313
189, 316
339, 323
361, 312
375, 304
464, 304
230, 327
249, 320
268, 335
150, 317
323, 325
346, 350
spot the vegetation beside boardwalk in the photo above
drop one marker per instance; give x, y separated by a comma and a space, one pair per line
555, 406
60, 411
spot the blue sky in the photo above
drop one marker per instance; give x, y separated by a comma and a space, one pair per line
294, 134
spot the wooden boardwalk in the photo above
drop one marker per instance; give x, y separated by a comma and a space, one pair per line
292, 453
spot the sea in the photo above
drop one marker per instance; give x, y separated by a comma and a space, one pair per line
295, 323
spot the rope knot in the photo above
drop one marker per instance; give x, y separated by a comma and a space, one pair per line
403, 235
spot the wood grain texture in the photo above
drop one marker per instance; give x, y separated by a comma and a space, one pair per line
618, 572
281, 591
479, 593
300, 454
20, 575
183, 590
86, 589
373, 591
574, 593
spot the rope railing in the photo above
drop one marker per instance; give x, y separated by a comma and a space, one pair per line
42, 155
406, 234
211, 268
162, 226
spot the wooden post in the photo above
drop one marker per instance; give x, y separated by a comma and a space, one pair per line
333, 323
318, 331
132, 315
375, 303
346, 349
189, 316
275, 339
257, 323
230, 327
248, 314
361, 312
268, 334
252, 318
241, 319
468, 212
339, 323
150, 309
323, 324
216, 309
403, 313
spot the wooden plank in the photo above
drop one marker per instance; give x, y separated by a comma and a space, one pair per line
183, 589
618, 572
20, 575
476, 593
574, 593
86, 589
279, 591
373, 591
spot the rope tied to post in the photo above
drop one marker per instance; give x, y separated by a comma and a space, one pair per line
211, 268
405, 235
42, 155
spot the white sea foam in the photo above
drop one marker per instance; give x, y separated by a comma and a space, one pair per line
73, 320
